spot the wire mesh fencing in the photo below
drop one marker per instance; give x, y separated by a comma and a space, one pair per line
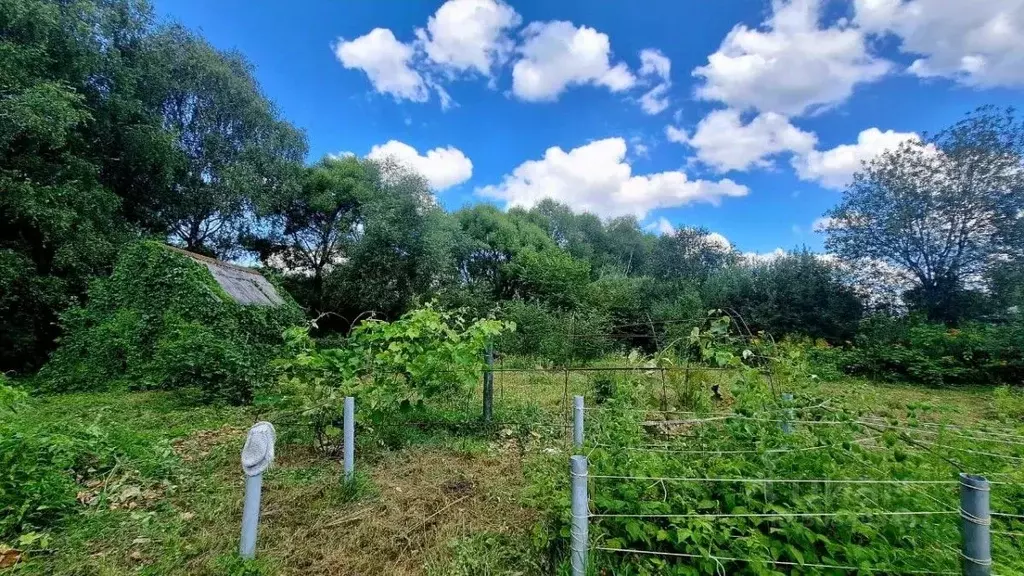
970, 520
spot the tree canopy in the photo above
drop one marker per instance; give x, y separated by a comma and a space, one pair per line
941, 211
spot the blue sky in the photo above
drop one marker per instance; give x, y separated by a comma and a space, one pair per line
743, 116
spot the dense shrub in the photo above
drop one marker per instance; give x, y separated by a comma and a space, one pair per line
796, 294
561, 338
391, 366
161, 321
906, 348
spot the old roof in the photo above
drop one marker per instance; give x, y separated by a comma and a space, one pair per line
244, 285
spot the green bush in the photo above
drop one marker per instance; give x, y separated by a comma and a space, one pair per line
391, 366
162, 321
907, 348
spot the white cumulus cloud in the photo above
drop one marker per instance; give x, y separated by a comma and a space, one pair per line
720, 241
557, 55
723, 142
978, 43
470, 35
655, 67
596, 178
661, 226
386, 61
755, 258
791, 64
822, 224
834, 168
442, 167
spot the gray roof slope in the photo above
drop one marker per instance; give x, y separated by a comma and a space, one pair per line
244, 285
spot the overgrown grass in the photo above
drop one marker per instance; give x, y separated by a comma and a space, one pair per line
441, 493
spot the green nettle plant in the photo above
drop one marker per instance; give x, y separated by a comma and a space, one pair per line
162, 321
390, 366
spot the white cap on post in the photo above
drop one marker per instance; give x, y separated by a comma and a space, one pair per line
258, 452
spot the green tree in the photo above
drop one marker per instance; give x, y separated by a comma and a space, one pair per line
803, 293
493, 240
689, 254
401, 252
60, 224
313, 230
941, 211
234, 153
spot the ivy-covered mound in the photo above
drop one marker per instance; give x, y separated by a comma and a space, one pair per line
161, 320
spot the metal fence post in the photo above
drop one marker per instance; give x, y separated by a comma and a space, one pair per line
489, 384
349, 430
580, 515
577, 421
250, 515
974, 511
787, 426
257, 455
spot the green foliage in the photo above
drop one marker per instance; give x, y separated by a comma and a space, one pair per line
622, 442
488, 554
1008, 404
235, 565
10, 397
110, 126
45, 463
912, 209
232, 154
902, 348
551, 276
161, 321
390, 366
60, 224
796, 294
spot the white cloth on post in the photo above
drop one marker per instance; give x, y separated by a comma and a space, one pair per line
258, 452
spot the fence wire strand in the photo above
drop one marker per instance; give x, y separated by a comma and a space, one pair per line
768, 561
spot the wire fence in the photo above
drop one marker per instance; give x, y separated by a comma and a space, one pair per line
692, 435
981, 503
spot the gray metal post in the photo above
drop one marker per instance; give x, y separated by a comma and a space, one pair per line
349, 424
257, 455
489, 384
577, 421
974, 510
250, 515
787, 426
580, 515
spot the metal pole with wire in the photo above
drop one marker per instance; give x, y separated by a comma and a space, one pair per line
580, 515
489, 384
577, 421
974, 510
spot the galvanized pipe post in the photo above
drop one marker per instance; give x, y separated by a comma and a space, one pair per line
577, 421
976, 520
349, 431
580, 515
257, 455
489, 384
250, 515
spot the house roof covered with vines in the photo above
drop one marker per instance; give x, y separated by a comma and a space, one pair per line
244, 285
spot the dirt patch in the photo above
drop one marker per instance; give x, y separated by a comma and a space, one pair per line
425, 498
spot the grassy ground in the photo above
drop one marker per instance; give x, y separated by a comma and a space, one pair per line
451, 501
